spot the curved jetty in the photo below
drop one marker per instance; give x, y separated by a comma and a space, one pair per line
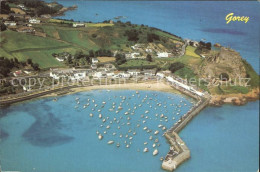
179, 152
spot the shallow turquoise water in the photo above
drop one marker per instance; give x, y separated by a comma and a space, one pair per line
44, 135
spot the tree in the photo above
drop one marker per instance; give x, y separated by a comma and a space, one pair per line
35, 66
120, 59
29, 61
2, 27
149, 58
176, 66
152, 37
132, 35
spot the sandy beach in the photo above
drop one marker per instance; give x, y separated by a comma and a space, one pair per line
152, 86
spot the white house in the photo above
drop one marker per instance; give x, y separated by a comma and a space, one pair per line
10, 23
78, 25
135, 55
93, 66
72, 74
94, 60
184, 86
34, 21
134, 72
124, 75
100, 75
160, 75
162, 54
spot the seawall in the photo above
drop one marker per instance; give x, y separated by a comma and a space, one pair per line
179, 152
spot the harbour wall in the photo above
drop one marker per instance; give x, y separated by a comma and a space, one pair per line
179, 152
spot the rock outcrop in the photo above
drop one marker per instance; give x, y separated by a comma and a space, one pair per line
225, 61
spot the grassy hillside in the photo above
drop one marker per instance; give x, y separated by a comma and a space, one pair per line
61, 36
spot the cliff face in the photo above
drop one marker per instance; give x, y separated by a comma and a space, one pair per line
225, 61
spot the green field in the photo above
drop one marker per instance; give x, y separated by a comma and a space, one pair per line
137, 63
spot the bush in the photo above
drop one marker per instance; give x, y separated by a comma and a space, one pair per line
176, 66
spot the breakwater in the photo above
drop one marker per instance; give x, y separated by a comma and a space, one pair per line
179, 152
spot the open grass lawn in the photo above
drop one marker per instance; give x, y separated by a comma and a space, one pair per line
137, 63
3, 53
190, 51
106, 59
14, 41
98, 24
43, 58
229, 90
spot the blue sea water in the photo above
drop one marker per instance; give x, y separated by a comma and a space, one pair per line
44, 135
189, 19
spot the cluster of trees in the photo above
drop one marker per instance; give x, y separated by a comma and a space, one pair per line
84, 58
35, 66
205, 45
132, 35
152, 37
149, 58
4, 9
120, 59
176, 66
6, 65
2, 26
40, 6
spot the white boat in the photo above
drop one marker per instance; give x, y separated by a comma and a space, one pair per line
145, 143
147, 111
145, 128
145, 150
108, 127
154, 145
91, 114
156, 132
155, 152
100, 137
110, 142
100, 116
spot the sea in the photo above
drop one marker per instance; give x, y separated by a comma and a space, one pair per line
61, 136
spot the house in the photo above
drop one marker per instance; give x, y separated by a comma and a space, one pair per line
73, 74
124, 75
25, 29
93, 66
34, 21
94, 60
148, 50
149, 72
160, 75
100, 75
137, 46
20, 6
135, 55
10, 23
128, 56
78, 25
134, 72
60, 58
18, 73
162, 54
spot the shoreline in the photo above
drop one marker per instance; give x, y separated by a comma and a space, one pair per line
147, 86
235, 99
